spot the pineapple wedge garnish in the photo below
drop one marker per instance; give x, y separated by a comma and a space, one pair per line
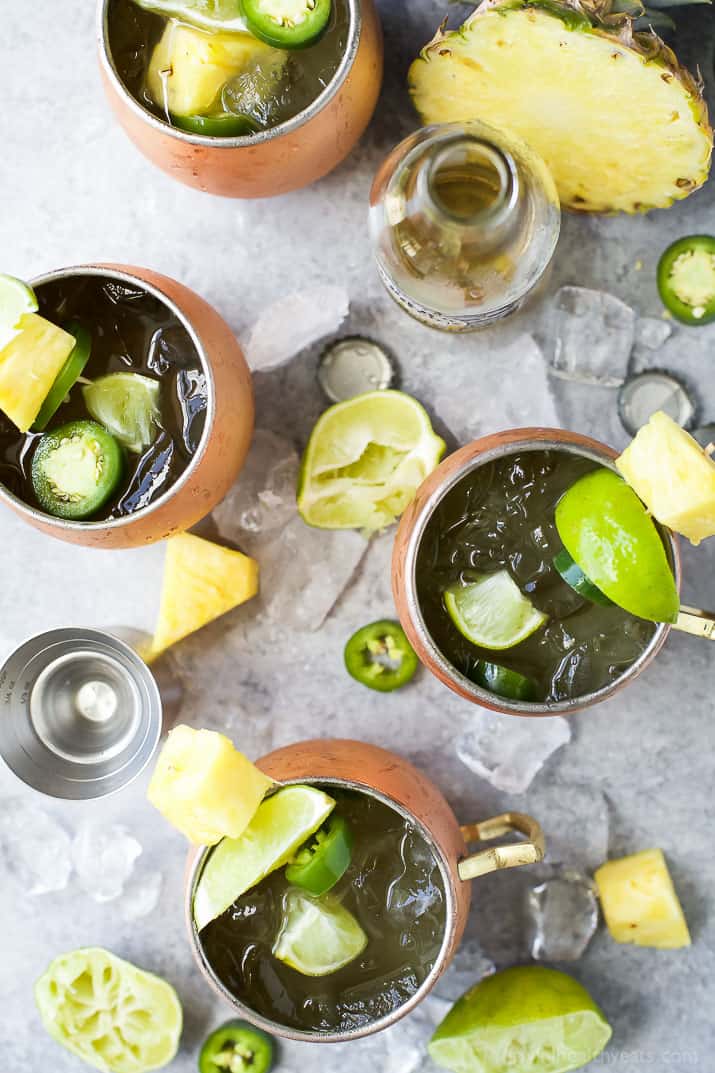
639, 901
673, 476
619, 123
189, 68
29, 366
204, 787
202, 581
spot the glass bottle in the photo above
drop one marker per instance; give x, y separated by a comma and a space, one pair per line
464, 220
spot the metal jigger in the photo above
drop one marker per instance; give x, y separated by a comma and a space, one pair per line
80, 713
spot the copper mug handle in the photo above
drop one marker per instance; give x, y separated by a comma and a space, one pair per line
511, 855
696, 622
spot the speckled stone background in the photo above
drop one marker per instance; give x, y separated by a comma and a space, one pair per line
72, 190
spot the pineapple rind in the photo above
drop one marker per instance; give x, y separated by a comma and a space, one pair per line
495, 68
639, 901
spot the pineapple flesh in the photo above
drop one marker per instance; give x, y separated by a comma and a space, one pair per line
620, 125
202, 581
639, 901
189, 68
673, 476
29, 366
204, 787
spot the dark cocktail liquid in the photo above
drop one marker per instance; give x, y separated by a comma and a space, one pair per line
393, 887
131, 331
502, 515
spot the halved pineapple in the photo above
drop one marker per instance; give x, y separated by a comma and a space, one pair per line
29, 365
639, 901
204, 787
673, 476
202, 581
189, 68
621, 126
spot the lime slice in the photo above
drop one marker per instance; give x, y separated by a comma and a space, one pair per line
492, 611
127, 404
281, 825
318, 935
365, 460
206, 14
606, 530
528, 1017
16, 299
108, 1012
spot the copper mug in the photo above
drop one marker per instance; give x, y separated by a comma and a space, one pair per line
354, 765
411, 531
275, 161
226, 436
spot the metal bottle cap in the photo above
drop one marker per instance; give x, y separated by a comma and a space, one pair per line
80, 713
644, 394
352, 366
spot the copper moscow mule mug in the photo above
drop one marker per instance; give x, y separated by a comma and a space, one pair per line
411, 530
354, 765
286, 157
225, 440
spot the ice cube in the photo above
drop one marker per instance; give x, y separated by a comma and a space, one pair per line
652, 332
36, 848
293, 323
263, 498
256, 93
575, 820
141, 895
469, 966
509, 751
590, 336
417, 889
103, 858
562, 916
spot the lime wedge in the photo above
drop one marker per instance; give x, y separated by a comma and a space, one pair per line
528, 1017
365, 460
108, 1012
318, 935
127, 404
492, 611
207, 14
606, 530
16, 299
279, 828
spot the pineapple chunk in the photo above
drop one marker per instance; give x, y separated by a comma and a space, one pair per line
201, 581
189, 68
29, 366
639, 901
204, 787
673, 476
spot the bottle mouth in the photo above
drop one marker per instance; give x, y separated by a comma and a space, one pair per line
472, 182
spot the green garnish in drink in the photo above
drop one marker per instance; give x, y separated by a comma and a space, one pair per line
320, 863
75, 469
491, 611
67, 376
318, 936
287, 23
503, 681
575, 578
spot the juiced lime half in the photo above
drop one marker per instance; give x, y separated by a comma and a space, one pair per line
127, 404
492, 611
608, 532
318, 936
108, 1012
16, 299
207, 14
279, 828
526, 1018
365, 460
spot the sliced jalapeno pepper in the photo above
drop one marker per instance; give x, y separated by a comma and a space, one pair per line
503, 681
236, 1047
320, 863
380, 656
686, 279
575, 578
287, 23
75, 469
66, 377
215, 126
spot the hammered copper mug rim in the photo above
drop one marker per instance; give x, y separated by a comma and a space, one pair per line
289, 126
121, 275
406, 552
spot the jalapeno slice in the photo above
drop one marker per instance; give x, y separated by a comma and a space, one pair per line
575, 578
320, 863
236, 1047
287, 23
503, 681
66, 377
75, 469
380, 657
686, 279
215, 126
